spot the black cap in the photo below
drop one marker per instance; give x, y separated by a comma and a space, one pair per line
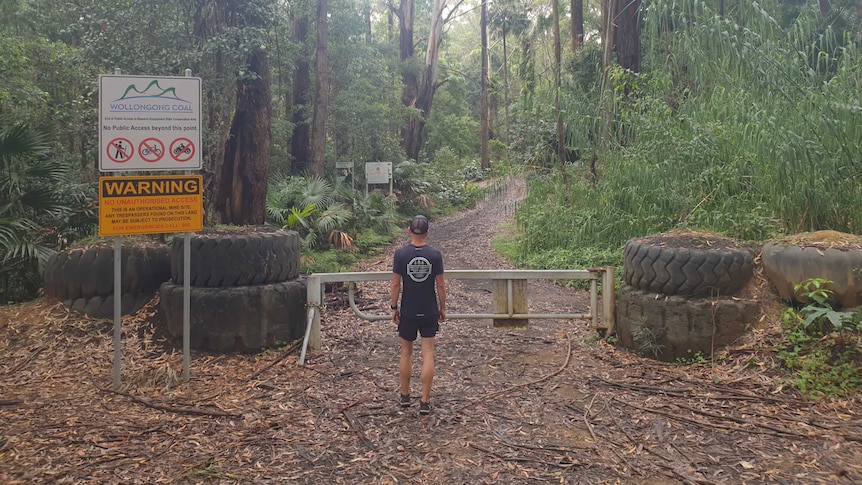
419, 225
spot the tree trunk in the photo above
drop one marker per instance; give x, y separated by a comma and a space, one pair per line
628, 35
210, 20
506, 88
485, 159
241, 197
561, 135
321, 90
414, 133
300, 141
409, 79
577, 7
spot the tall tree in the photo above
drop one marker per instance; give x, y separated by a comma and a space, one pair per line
507, 17
485, 160
561, 133
300, 141
627, 41
321, 92
577, 7
241, 197
420, 94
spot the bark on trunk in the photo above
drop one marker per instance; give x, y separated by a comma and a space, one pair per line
628, 35
242, 194
300, 142
414, 133
220, 95
577, 7
485, 159
321, 90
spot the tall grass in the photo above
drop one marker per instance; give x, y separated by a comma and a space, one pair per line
744, 124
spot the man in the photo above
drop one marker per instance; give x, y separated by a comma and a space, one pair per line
418, 268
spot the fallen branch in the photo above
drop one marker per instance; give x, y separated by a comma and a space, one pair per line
293, 348
712, 425
171, 409
738, 420
524, 384
357, 427
522, 459
29, 359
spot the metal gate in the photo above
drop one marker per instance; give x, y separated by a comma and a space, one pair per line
604, 325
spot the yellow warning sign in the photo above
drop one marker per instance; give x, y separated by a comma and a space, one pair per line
150, 205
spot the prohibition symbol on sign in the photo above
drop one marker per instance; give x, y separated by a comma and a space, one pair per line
151, 150
120, 150
182, 149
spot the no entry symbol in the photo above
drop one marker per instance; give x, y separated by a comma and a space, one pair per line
152, 150
120, 150
182, 149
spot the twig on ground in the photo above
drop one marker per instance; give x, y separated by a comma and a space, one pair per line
172, 409
357, 428
293, 348
528, 383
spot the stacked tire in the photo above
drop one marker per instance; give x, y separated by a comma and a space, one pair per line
245, 289
678, 300
828, 255
82, 277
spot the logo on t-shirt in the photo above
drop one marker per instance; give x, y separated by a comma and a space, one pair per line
419, 269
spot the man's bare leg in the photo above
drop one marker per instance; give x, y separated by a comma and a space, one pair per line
405, 366
427, 367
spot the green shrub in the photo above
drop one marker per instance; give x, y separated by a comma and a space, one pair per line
822, 349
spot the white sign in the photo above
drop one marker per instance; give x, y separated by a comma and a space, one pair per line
149, 123
378, 172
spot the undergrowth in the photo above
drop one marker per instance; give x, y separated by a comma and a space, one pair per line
823, 349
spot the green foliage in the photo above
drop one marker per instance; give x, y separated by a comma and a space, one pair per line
647, 341
35, 209
822, 347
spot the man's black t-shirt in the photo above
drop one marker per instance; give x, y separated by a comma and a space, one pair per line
418, 267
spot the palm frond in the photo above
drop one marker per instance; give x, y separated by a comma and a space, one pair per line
18, 140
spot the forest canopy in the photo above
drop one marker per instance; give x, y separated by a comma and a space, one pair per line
628, 118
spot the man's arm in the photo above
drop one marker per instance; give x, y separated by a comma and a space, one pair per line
440, 281
394, 293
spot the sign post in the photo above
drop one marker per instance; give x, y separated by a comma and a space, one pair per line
149, 123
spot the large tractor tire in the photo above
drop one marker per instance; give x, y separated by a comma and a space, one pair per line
87, 272
787, 264
240, 318
654, 266
677, 328
247, 257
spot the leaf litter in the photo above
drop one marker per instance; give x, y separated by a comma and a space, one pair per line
548, 404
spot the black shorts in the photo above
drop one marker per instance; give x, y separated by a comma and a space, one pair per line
425, 326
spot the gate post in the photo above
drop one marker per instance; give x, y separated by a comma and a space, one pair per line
608, 300
510, 297
314, 304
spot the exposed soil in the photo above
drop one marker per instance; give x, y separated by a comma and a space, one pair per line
547, 404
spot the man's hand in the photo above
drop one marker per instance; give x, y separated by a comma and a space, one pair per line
395, 316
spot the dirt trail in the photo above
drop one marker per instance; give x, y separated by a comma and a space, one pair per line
549, 404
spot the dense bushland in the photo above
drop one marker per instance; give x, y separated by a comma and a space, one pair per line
746, 124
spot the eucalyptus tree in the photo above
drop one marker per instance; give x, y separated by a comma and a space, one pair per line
483, 104
321, 90
508, 17
300, 141
419, 90
241, 194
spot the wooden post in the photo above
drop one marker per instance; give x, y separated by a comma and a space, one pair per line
510, 298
